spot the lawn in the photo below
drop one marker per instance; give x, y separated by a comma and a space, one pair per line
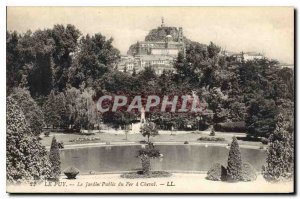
164, 136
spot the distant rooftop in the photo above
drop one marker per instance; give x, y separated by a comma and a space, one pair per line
155, 57
253, 53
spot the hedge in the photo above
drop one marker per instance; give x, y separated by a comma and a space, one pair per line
231, 127
211, 139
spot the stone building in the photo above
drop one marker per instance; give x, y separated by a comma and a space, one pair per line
246, 56
160, 55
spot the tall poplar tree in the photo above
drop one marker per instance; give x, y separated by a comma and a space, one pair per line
54, 158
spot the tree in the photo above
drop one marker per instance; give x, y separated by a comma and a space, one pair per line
55, 110
234, 164
61, 109
216, 100
33, 113
260, 121
65, 45
88, 115
280, 159
81, 109
54, 158
149, 129
287, 76
26, 158
40, 77
95, 58
71, 95
191, 66
148, 80
51, 112
14, 65
145, 154
213, 50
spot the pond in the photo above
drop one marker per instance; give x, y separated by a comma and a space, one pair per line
175, 158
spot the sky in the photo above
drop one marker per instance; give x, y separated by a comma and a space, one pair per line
268, 30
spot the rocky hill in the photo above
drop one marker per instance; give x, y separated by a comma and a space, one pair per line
157, 34
160, 33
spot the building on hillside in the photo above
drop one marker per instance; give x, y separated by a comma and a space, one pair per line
160, 55
246, 56
158, 62
252, 55
126, 63
285, 65
170, 46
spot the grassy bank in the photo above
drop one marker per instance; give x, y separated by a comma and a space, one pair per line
68, 139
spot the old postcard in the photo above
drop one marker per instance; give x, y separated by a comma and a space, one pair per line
150, 100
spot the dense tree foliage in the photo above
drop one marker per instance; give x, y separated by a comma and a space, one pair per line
260, 121
74, 109
65, 45
95, 57
51, 111
26, 158
280, 159
66, 73
54, 158
32, 112
14, 64
50, 59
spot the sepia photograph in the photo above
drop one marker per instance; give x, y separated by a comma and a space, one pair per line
150, 99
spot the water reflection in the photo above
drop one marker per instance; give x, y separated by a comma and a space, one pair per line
175, 157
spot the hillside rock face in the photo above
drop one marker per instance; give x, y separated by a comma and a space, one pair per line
132, 49
160, 33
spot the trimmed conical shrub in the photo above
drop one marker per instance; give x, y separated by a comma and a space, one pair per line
280, 159
54, 158
234, 165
